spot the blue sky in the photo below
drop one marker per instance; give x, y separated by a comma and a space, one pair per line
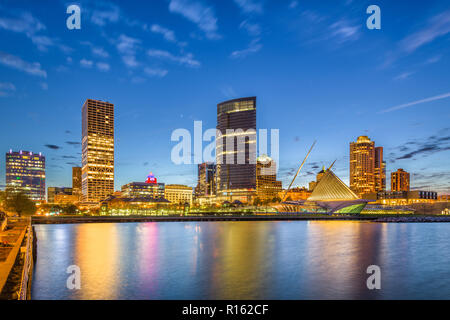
318, 72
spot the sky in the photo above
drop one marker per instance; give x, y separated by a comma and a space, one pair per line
318, 73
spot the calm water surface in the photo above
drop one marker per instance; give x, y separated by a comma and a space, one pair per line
243, 260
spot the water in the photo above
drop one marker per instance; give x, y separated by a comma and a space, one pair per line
243, 260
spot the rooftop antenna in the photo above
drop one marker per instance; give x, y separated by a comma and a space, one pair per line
298, 171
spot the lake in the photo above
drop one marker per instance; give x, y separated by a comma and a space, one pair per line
243, 260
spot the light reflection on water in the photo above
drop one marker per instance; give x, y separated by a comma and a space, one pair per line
243, 260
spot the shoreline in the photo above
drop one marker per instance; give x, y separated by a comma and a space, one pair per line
236, 218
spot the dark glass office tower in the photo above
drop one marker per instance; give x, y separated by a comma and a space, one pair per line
236, 160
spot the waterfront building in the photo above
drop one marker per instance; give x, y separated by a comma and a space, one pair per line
125, 206
206, 185
312, 185
148, 189
444, 198
400, 180
97, 150
267, 186
178, 194
236, 149
367, 168
330, 196
52, 192
76, 181
402, 197
296, 194
25, 172
319, 175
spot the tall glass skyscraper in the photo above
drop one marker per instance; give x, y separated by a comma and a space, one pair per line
25, 171
97, 179
236, 146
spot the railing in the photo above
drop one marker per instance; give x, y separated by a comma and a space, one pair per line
27, 265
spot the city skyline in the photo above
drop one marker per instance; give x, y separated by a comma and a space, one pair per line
320, 94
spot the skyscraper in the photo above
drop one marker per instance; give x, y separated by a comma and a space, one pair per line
25, 171
236, 146
267, 186
76, 181
367, 168
400, 180
380, 170
206, 185
97, 181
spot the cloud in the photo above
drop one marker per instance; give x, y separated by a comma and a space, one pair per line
343, 31
19, 64
105, 13
6, 88
100, 52
44, 85
24, 23
102, 66
293, 5
86, 63
410, 104
169, 35
155, 72
250, 6
253, 29
431, 145
128, 47
253, 47
53, 147
187, 59
404, 75
196, 12
437, 26
73, 143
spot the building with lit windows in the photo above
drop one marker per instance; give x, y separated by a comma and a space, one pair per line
52, 192
295, 194
395, 198
367, 168
400, 180
25, 172
206, 185
149, 189
236, 149
97, 180
267, 186
76, 181
178, 194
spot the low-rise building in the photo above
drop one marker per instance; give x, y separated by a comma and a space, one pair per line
394, 198
178, 194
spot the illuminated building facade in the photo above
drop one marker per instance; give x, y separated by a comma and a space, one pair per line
400, 180
52, 192
206, 185
236, 147
25, 172
178, 194
402, 197
367, 168
97, 181
148, 189
296, 194
267, 186
76, 181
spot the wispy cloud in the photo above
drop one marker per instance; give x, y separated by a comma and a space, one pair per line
404, 75
187, 59
437, 26
253, 47
155, 72
105, 13
344, 31
413, 103
6, 88
253, 29
250, 6
86, 63
169, 35
102, 66
17, 63
198, 13
23, 23
127, 47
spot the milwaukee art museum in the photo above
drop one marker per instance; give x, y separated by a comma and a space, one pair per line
330, 196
